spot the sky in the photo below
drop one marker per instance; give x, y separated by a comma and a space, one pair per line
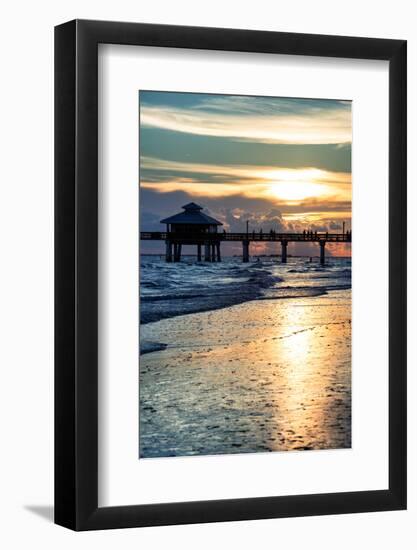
279, 163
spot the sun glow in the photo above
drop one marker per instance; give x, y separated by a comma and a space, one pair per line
297, 190
279, 185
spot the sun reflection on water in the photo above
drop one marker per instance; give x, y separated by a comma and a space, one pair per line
276, 377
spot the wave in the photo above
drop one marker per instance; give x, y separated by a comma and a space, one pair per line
150, 347
170, 290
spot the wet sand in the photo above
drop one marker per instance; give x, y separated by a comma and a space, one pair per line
265, 375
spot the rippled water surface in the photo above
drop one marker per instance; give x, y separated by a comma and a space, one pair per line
244, 358
169, 289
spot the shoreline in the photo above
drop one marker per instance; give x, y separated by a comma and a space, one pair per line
262, 375
312, 293
228, 300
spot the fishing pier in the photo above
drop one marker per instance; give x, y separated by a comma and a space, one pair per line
193, 227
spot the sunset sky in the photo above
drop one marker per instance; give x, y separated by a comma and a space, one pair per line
281, 163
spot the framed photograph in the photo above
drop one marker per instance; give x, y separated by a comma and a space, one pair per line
230, 275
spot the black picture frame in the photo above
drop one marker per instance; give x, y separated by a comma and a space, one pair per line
76, 272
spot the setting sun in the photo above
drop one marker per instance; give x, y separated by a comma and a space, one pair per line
297, 190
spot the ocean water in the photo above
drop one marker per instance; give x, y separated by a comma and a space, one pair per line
272, 373
171, 289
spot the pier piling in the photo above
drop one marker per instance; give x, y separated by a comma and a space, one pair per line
284, 245
168, 251
212, 242
322, 253
177, 252
218, 252
245, 245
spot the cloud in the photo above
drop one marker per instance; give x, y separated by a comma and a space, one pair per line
182, 147
235, 220
309, 188
289, 185
234, 212
278, 163
263, 120
334, 226
149, 220
243, 171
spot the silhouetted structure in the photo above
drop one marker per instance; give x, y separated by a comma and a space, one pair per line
194, 227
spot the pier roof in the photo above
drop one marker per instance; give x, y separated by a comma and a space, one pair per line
192, 215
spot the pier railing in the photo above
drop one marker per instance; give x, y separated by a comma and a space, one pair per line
211, 242
252, 236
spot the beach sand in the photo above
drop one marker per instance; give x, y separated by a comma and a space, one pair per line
265, 375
